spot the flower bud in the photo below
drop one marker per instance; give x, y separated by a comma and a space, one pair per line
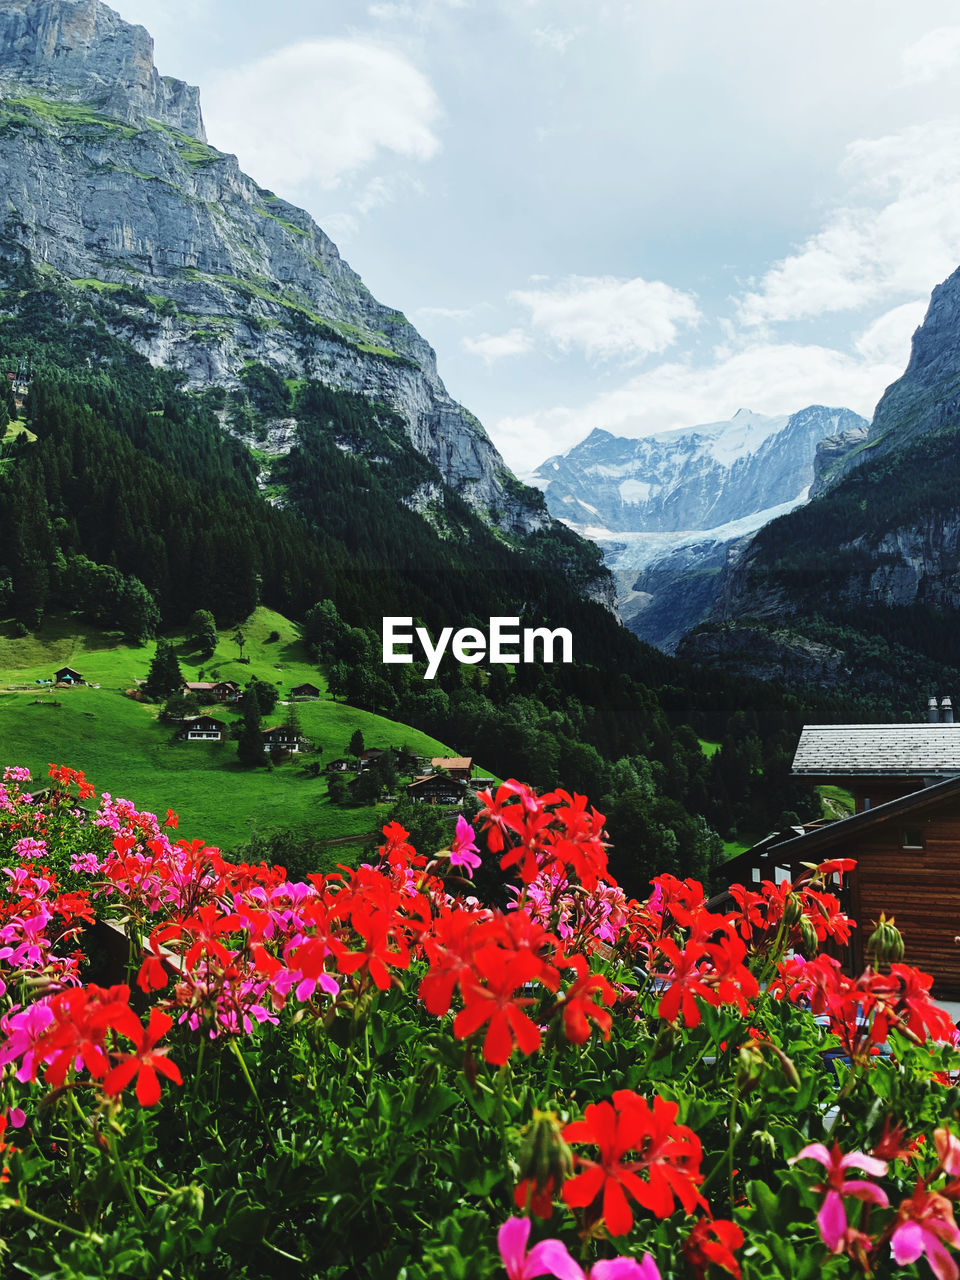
750, 1065
885, 944
792, 910
544, 1156
808, 936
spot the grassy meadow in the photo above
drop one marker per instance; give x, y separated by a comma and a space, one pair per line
123, 748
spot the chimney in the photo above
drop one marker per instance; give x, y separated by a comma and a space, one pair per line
946, 711
933, 711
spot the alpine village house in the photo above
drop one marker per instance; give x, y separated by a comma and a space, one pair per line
904, 835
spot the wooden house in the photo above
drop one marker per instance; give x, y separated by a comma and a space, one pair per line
878, 762
305, 691
907, 852
212, 690
370, 758
67, 675
435, 788
904, 834
338, 766
202, 729
282, 738
460, 767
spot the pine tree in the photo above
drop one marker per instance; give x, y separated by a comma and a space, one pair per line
356, 743
164, 676
250, 743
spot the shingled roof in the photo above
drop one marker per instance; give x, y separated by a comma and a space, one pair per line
871, 750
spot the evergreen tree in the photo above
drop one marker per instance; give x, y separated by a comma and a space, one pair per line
250, 749
356, 743
164, 676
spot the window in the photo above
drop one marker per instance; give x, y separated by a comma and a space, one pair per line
912, 839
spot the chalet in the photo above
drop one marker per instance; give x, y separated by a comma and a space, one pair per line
904, 834
460, 767
283, 738
212, 690
907, 853
67, 675
370, 758
305, 691
435, 788
338, 766
879, 762
202, 729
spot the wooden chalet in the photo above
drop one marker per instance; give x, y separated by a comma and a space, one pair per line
904, 836
305, 691
212, 690
460, 767
436, 788
202, 729
338, 766
67, 675
281, 738
370, 758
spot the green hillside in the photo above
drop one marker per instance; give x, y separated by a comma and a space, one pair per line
122, 747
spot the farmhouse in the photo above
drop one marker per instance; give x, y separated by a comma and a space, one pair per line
67, 675
305, 691
460, 767
904, 835
202, 729
338, 766
434, 788
212, 690
283, 738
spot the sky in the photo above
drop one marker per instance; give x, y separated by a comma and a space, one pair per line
625, 214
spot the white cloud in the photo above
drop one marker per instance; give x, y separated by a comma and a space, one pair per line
322, 109
887, 340
494, 346
901, 239
765, 377
932, 55
608, 317
556, 39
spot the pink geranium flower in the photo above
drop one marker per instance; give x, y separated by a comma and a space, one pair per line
832, 1217
926, 1223
550, 1258
463, 850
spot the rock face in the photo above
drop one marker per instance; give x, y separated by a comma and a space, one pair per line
109, 185
927, 396
81, 51
667, 509
836, 455
696, 478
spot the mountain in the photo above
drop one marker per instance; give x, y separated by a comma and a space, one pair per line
666, 508
870, 567
111, 186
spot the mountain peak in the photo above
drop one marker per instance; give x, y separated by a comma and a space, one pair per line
82, 51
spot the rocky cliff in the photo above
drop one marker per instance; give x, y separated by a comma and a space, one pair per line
110, 186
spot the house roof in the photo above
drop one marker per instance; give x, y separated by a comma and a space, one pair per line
188, 720
200, 684
66, 671
878, 750
810, 846
452, 762
436, 779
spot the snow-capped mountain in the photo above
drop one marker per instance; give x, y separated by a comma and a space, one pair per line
691, 478
666, 508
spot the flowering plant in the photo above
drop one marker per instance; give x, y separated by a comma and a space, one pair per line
211, 1071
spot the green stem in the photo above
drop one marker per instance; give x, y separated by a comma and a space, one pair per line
125, 1182
256, 1097
502, 1122
9, 1203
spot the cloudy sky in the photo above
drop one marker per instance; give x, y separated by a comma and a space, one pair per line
624, 214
